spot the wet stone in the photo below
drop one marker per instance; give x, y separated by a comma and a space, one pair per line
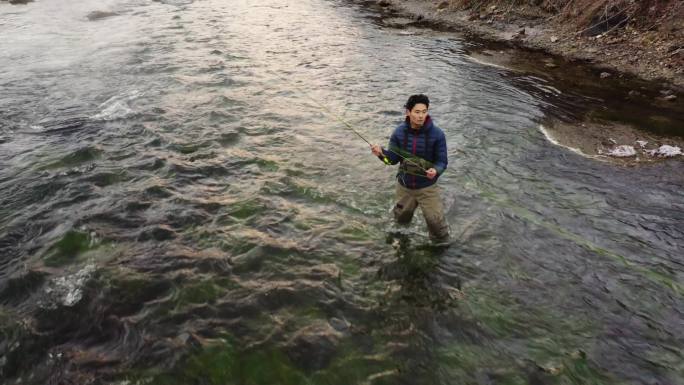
341, 325
97, 15
157, 233
313, 347
157, 192
254, 259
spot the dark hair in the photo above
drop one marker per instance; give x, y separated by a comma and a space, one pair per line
415, 99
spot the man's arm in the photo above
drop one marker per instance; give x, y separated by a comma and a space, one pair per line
441, 160
381, 153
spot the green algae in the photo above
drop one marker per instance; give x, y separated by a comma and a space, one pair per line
267, 165
463, 362
246, 209
186, 148
358, 232
222, 363
665, 280
467, 363
69, 248
109, 178
356, 367
77, 158
205, 291
524, 344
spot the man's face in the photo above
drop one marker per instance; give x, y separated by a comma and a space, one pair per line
417, 114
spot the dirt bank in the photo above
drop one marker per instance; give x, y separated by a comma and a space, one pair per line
635, 37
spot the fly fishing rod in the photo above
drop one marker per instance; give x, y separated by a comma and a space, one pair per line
335, 116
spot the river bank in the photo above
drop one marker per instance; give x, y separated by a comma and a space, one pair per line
650, 53
635, 90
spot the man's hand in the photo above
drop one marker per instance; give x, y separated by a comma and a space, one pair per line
431, 173
376, 149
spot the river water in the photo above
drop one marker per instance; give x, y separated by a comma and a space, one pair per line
177, 208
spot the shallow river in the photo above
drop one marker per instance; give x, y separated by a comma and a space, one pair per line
176, 207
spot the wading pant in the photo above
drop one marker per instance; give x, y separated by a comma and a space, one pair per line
430, 204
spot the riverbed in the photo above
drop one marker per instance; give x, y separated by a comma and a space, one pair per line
182, 204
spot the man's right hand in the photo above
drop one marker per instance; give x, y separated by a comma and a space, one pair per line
376, 149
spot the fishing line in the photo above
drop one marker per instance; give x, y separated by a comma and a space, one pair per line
335, 116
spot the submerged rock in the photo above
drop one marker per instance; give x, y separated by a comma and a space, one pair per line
97, 15
313, 347
68, 290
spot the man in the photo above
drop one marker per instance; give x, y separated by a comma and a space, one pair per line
420, 148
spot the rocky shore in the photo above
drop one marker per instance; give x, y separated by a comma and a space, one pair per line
650, 53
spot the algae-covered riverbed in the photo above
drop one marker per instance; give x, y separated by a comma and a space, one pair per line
176, 210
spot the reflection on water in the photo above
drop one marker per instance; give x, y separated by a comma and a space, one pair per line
176, 209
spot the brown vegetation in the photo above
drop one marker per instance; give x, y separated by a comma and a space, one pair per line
641, 37
593, 17
645, 37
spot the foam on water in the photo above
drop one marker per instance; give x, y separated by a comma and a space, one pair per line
118, 106
68, 290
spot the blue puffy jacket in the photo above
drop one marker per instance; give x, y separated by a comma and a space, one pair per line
428, 143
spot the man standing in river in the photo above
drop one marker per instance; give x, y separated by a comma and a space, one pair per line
420, 148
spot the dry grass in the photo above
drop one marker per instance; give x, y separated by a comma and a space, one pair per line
593, 16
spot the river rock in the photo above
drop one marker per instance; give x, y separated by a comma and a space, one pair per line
554, 39
670, 98
665, 151
97, 15
624, 151
313, 346
443, 5
341, 325
157, 233
67, 290
605, 75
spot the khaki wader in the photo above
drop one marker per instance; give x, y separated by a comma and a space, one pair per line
430, 202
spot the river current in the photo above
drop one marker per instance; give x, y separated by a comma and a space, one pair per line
176, 207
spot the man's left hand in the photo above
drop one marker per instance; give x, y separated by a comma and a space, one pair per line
431, 173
